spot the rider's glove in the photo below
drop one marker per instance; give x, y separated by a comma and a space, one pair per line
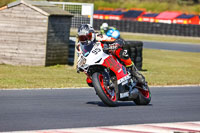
78, 70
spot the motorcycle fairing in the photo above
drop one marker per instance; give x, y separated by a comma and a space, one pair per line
97, 57
117, 68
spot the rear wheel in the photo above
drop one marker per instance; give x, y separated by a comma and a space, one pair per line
106, 90
144, 96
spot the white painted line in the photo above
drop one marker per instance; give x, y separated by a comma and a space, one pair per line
78, 88
180, 127
75, 88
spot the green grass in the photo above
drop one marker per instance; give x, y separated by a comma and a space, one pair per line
59, 76
171, 67
5, 2
163, 68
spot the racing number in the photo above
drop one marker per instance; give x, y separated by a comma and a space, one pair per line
96, 50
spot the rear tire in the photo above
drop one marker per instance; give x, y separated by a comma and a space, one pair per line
144, 96
103, 92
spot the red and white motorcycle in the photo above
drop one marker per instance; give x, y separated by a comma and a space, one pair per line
110, 79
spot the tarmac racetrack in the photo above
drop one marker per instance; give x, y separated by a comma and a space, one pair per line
184, 47
71, 108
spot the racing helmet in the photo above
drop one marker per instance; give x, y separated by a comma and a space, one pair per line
113, 33
86, 34
105, 26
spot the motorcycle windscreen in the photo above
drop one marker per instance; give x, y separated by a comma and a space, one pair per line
86, 48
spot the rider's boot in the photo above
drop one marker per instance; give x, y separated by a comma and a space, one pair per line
137, 74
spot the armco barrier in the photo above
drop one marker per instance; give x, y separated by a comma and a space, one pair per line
151, 28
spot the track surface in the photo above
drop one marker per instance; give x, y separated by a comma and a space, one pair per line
172, 46
70, 108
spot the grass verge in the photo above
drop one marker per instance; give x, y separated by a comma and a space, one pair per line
171, 67
163, 68
58, 76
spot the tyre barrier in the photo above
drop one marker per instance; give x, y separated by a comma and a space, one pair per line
151, 28
71, 51
135, 49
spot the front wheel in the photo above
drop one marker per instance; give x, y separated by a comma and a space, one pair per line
144, 96
106, 90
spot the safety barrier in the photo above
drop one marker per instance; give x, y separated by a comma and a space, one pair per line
135, 49
72, 41
151, 28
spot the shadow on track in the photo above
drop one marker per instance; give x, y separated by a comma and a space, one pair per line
120, 104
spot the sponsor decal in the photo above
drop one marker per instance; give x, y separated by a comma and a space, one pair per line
119, 70
123, 79
125, 82
111, 64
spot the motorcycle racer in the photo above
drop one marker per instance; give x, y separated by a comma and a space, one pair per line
87, 38
105, 28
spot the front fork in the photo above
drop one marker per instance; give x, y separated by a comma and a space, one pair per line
108, 82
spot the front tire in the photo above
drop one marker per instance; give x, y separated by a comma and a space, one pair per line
108, 95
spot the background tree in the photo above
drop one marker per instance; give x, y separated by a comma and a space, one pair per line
5, 2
